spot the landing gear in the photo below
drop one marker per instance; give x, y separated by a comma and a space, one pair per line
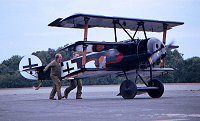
156, 93
128, 89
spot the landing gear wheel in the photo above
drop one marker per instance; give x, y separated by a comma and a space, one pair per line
156, 93
128, 89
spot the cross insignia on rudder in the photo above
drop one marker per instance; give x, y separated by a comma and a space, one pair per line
30, 66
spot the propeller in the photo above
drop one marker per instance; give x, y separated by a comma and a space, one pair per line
171, 46
157, 50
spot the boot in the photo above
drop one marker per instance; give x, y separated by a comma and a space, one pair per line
66, 95
66, 92
78, 97
52, 98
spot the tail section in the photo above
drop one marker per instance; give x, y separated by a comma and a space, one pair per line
28, 67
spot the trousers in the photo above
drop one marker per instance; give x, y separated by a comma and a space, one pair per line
73, 84
56, 87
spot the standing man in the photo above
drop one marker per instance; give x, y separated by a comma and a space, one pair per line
55, 76
74, 83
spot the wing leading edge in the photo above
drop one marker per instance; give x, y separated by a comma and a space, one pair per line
77, 21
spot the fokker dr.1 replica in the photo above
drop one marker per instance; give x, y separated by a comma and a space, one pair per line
121, 58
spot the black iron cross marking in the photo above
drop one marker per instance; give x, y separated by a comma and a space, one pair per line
30, 65
68, 69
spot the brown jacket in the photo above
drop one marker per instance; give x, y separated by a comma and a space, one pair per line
55, 68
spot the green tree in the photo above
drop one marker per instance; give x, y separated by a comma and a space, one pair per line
174, 60
191, 70
45, 56
9, 74
185, 70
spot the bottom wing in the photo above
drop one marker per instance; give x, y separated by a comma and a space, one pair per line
99, 72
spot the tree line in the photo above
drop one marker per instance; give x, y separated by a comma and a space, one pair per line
186, 71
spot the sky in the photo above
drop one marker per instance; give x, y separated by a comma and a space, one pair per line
23, 23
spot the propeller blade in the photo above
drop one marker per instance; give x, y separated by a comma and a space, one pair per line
171, 46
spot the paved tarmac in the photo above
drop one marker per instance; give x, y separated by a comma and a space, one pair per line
100, 103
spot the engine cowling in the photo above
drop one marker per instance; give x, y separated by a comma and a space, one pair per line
156, 49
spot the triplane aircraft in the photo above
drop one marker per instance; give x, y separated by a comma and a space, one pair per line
121, 58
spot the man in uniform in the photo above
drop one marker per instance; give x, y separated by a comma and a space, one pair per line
74, 83
55, 76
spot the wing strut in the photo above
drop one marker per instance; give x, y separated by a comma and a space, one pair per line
140, 24
126, 31
115, 31
144, 30
117, 22
162, 61
86, 19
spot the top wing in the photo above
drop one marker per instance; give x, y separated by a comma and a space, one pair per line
77, 21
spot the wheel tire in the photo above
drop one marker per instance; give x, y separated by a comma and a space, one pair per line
128, 89
156, 93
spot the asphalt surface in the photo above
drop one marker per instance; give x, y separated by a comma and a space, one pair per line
100, 103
